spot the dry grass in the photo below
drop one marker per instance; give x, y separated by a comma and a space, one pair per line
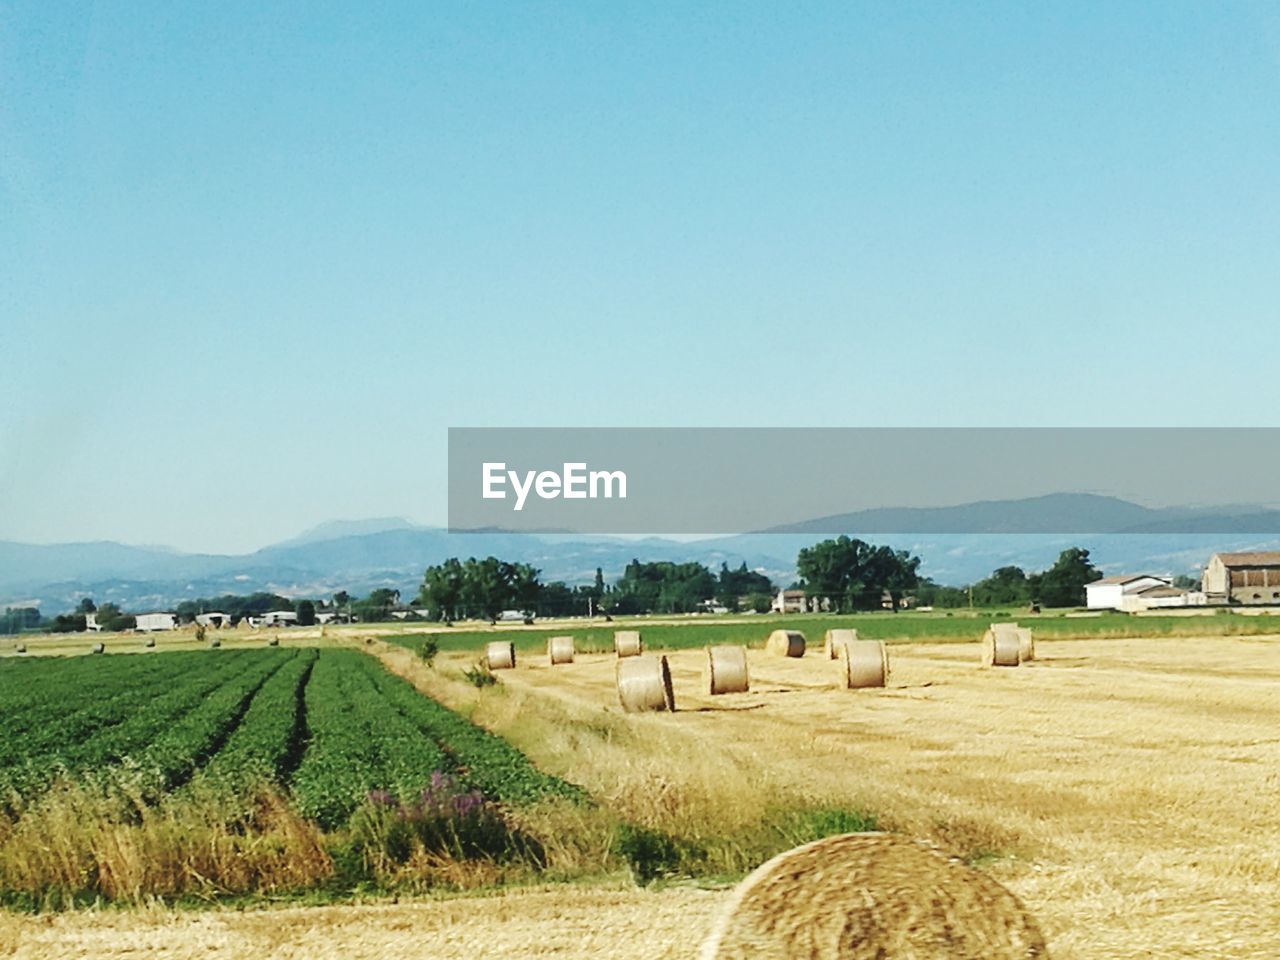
561, 922
1124, 789
77, 839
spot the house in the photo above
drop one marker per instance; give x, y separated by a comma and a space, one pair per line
1109, 593
150, 622
215, 620
1248, 578
91, 623
278, 618
797, 601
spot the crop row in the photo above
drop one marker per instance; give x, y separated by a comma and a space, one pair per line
356, 744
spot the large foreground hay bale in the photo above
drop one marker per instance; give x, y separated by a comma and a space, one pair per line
560, 650
1001, 646
870, 896
864, 663
727, 670
832, 640
1026, 644
786, 643
644, 683
500, 655
627, 643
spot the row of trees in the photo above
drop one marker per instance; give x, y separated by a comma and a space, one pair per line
457, 589
846, 573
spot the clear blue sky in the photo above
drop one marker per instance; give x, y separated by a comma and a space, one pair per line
254, 262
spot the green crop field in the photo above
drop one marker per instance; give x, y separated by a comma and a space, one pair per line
236, 747
960, 626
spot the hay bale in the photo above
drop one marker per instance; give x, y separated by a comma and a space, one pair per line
863, 663
644, 683
273, 642
1026, 644
560, 650
149, 642
627, 643
21, 648
727, 670
1001, 646
786, 643
99, 647
500, 655
215, 643
832, 639
867, 896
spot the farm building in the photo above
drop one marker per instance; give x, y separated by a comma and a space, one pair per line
1134, 592
150, 622
1109, 593
1248, 578
215, 620
797, 601
278, 618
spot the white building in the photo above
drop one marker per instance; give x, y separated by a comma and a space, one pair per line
278, 618
150, 622
214, 619
1109, 593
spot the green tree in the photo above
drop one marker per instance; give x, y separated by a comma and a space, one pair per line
1007, 586
854, 575
86, 606
1062, 585
306, 611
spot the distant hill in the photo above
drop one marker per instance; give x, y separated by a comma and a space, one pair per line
358, 555
1052, 513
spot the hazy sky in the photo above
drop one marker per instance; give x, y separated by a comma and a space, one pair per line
254, 262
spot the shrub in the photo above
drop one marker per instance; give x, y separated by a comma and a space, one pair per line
479, 676
649, 853
429, 650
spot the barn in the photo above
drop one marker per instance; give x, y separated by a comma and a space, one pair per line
1246, 578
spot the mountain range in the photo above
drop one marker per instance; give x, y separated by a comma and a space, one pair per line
958, 545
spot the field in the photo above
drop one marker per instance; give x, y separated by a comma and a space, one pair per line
115, 770
1123, 787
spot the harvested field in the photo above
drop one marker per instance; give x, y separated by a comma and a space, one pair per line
1123, 789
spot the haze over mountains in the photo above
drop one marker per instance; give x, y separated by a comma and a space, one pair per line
362, 554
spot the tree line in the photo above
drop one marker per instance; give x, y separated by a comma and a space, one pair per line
843, 574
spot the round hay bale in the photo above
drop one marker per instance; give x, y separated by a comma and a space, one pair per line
627, 643
1026, 644
1001, 646
99, 647
867, 896
727, 670
273, 642
863, 663
500, 655
786, 643
560, 650
832, 640
215, 643
644, 683
21, 648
